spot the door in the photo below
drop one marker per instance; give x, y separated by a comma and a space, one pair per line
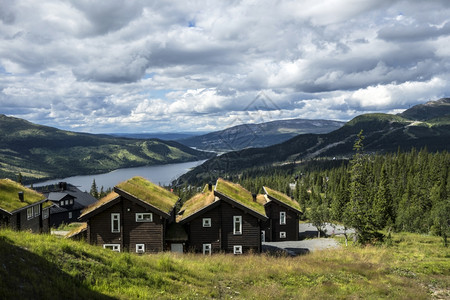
176, 248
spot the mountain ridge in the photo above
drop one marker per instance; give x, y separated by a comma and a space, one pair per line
259, 135
383, 133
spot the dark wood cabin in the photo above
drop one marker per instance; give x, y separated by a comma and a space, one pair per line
68, 202
134, 217
283, 217
22, 208
227, 219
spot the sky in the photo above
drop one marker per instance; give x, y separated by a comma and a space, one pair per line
186, 66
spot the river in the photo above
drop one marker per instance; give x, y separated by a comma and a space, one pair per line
159, 174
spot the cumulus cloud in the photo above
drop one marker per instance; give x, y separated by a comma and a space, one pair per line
130, 65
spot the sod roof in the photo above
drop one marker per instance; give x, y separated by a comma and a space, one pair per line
9, 197
239, 194
76, 231
196, 203
282, 198
103, 201
150, 193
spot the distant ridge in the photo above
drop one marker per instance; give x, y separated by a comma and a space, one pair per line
259, 135
429, 110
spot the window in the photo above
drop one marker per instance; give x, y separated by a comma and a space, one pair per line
140, 248
66, 202
237, 249
206, 222
207, 249
282, 234
113, 247
61, 203
282, 218
45, 214
37, 210
144, 217
263, 236
115, 222
70, 215
71, 201
29, 213
237, 224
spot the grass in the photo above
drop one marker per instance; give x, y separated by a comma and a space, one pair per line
239, 194
9, 199
196, 203
46, 267
282, 197
149, 192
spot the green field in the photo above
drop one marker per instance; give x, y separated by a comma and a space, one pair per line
47, 267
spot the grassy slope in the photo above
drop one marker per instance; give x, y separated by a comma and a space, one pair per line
45, 267
41, 152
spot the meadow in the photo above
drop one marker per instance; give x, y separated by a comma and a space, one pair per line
47, 267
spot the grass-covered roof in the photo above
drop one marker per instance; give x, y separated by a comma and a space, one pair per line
282, 198
239, 194
108, 198
150, 193
196, 203
9, 195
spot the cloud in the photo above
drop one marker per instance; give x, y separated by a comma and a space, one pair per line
138, 66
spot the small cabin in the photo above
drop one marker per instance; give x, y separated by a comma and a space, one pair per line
22, 208
68, 202
226, 219
134, 217
283, 217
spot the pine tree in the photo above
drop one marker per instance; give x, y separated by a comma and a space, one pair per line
94, 190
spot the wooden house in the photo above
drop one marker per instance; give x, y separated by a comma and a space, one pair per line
226, 219
22, 208
134, 217
283, 217
68, 202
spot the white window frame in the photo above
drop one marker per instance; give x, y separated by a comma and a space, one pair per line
206, 222
207, 249
282, 234
237, 229
115, 217
66, 202
140, 248
61, 203
70, 215
282, 218
140, 217
263, 236
113, 247
29, 213
45, 213
37, 210
237, 249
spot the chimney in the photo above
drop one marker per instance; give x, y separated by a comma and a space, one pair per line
254, 197
21, 196
210, 186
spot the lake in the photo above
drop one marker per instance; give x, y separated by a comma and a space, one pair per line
159, 174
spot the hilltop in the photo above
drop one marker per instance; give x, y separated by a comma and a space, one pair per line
383, 133
258, 135
46, 267
41, 152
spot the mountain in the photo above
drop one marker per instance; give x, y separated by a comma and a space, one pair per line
383, 133
258, 135
41, 152
429, 110
166, 136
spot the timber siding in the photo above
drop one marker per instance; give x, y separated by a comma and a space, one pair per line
151, 234
273, 227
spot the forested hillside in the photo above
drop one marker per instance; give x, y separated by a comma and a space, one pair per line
403, 191
39, 152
